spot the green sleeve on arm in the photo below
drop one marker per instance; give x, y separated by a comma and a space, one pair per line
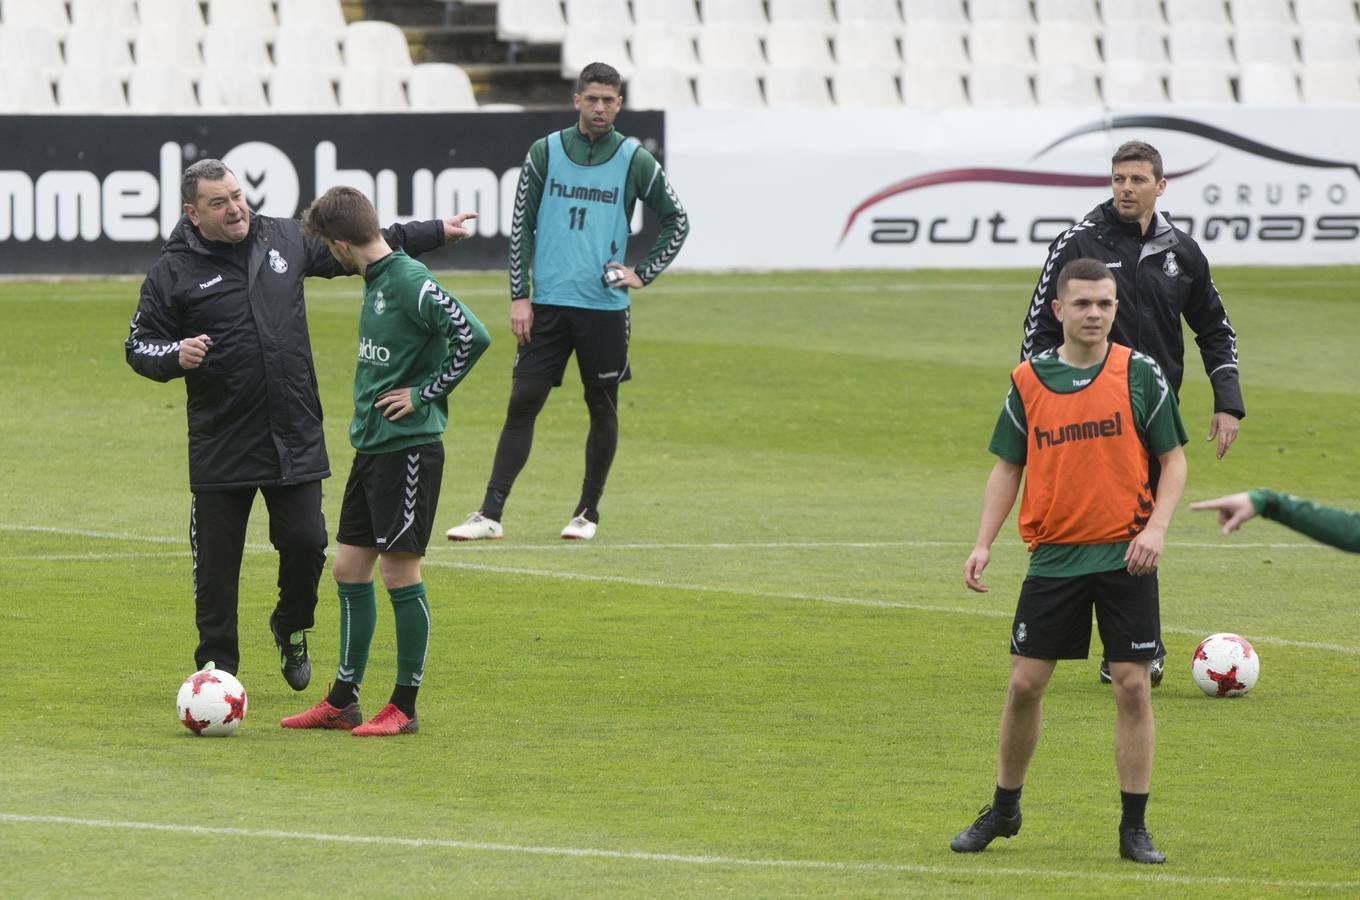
467, 340
1010, 437
1332, 526
649, 182
525, 218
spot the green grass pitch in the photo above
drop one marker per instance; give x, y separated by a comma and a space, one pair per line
764, 677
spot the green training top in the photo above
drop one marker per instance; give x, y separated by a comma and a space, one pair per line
646, 182
1156, 417
413, 334
1327, 524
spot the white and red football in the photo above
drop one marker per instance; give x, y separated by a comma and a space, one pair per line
1225, 665
211, 703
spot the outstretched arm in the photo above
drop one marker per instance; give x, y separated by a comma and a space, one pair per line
1327, 524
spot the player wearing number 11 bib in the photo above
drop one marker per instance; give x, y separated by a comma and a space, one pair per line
569, 287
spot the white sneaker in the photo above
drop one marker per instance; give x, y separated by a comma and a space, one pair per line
579, 529
477, 528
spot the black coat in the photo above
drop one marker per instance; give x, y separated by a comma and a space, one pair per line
253, 407
1160, 278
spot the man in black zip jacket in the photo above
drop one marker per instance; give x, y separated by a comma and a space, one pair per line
1161, 276
222, 308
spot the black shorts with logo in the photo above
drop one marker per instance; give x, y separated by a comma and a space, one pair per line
1053, 616
599, 337
390, 499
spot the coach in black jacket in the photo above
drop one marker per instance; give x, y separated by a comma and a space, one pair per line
1161, 276
222, 307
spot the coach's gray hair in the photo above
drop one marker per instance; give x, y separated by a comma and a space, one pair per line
203, 170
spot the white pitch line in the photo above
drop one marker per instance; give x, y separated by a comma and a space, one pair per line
953, 872
738, 591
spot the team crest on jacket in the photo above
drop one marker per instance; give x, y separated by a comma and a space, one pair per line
379, 304
277, 262
1170, 267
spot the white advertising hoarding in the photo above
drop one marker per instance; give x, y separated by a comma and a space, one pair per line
830, 189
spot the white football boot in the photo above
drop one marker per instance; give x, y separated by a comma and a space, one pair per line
579, 529
477, 528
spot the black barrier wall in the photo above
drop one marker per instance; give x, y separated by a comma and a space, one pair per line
99, 194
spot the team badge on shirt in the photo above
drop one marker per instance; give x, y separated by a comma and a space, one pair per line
379, 304
1170, 267
277, 262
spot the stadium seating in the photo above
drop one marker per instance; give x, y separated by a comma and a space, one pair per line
1202, 44
1065, 42
1263, 42
89, 44
1082, 11
376, 44
440, 87
816, 13
733, 12
934, 43
796, 87
307, 45
613, 15
47, 14
166, 45
25, 90
934, 11
1199, 84
585, 44
372, 89
1273, 12
1066, 85
1181, 12
884, 13
1324, 84
112, 16
799, 44
255, 13
865, 87
165, 90
1000, 86
186, 16
930, 87
997, 43
1132, 83
239, 44
730, 45
1324, 42
664, 87
656, 46
228, 90
1016, 12
299, 89
678, 15
728, 87
30, 48
530, 21
1122, 12
1342, 12
86, 89
324, 14
861, 43
1268, 84
1136, 42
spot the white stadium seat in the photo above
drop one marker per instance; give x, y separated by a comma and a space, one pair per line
930, 87
31, 47
1201, 43
258, 13
164, 90
658, 88
865, 87
1194, 83
93, 45
48, 14
85, 89
1275, 12
530, 21
807, 12
585, 44
325, 14
441, 87
934, 11
1135, 42
679, 15
993, 86
1261, 42
25, 90
114, 16
655, 46
372, 89
1341, 12
996, 43
1119, 12
1016, 12
884, 13
166, 45
1329, 84
728, 87
1083, 11
308, 45
1179, 12
229, 90
861, 43
796, 87
1066, 85
300, 89
730, 45
933, 43
1266, 84
184, 15
798, 44
1066, 43
733, 12
377, 44
611, 15
238, 44
1132, 84
1324, 42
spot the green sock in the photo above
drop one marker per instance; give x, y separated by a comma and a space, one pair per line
358, 619
413, 632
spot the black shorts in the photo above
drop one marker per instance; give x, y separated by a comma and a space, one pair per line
599, 337
1053, 617
390, 499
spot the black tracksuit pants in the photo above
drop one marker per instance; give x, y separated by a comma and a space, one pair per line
217, 536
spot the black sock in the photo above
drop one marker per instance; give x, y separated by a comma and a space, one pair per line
1135, 805
404, 698
342, 694
1006, 802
